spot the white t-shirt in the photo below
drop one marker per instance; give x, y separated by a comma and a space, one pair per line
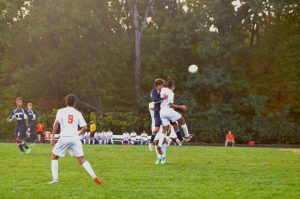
170, 100
69, 119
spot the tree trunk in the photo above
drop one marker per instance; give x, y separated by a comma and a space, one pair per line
138, 34
137, 67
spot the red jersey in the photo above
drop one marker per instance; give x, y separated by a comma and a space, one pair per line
40, 127
230, 137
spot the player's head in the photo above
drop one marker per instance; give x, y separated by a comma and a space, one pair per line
229, 132
170, 84
29, 106
71, 100
159, 83
19, 101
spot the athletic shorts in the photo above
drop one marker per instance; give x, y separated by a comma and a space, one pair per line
169, 116
157, 121
73, 144
21, 131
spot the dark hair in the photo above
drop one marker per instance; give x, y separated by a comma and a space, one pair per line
71, 100
159, 82
170, 82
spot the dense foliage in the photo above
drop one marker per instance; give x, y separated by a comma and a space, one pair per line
248, 55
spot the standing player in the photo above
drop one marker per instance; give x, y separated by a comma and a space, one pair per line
167, 114
93, 128
69, 119
21, 116
32, 117
157, 98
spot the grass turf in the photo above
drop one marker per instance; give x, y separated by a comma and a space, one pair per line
129, 172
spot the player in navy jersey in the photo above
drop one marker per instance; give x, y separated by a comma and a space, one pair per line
21, 116
156, 99
32, 117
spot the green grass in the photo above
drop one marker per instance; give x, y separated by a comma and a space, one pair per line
129, 172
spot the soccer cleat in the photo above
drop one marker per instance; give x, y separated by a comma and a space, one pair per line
158, 161
163, 160
151, 147
97, 180
28, 151
53, 182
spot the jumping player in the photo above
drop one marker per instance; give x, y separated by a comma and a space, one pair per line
157, 98
69, 119
21, 116
167, 114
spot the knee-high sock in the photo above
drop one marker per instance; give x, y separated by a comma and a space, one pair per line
185, 130
179, 137
86, 165
54, 169
161, 139
25, 145
21, 147
164, 150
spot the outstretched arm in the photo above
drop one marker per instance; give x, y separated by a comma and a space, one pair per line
178, 107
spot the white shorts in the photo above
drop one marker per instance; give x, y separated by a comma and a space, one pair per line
167, 115
73, 144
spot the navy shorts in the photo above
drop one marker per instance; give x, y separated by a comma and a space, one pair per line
21, 131
157, 121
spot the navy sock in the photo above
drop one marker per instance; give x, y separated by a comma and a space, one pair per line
179, 135
152, 138
25, 145
21, 147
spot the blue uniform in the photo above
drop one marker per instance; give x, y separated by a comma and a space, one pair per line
21, 116
155, 95
32, 116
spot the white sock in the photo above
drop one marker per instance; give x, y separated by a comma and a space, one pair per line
164, 150
185, 130
54, 170
162, 137
86, 165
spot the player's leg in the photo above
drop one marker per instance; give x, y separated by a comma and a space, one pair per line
164, 153
76, 149
226, 143
185, 129
233, 143
54, 169
179, 138
155, 142
22, 133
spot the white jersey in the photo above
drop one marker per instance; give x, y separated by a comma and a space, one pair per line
144, 136
133, 135
126, 136
87, 134
69, 119
165, 104
109, 135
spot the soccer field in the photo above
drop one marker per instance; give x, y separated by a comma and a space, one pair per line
129, 172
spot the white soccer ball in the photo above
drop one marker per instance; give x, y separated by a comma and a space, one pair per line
193, 68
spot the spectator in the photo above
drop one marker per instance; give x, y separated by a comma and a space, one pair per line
97, 137
126, 138
87, 136
229, 139
104, 137
144, 138
101, 140
110, 135
133, 137
92, 132
40, 131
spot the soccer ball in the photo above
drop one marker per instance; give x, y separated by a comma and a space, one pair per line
193, 68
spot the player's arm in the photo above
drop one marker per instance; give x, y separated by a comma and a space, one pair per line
54, 130
36, 115
82, 125
11, 117
158, 98
82, 130
178, 107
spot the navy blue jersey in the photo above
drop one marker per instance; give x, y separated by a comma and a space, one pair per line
155, 95
32, 115
20, 115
